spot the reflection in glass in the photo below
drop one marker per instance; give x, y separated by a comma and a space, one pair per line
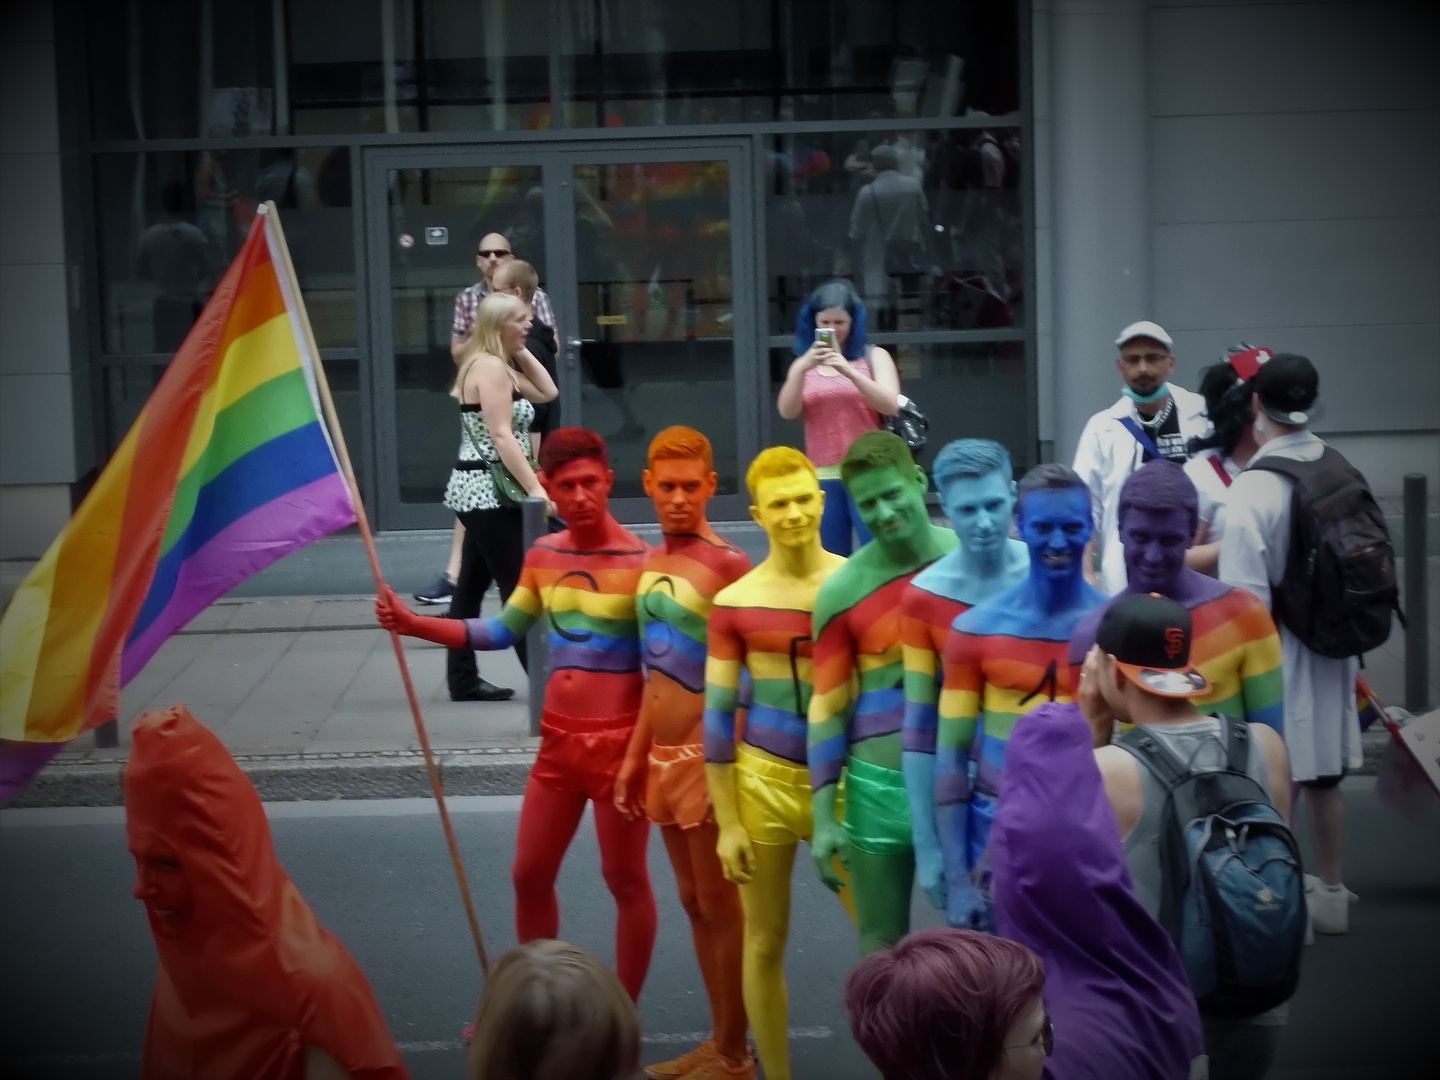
169, 223
205, 68
655, 304
419, 65
437, 219
926, 224
635, 63
177, 69
971, 391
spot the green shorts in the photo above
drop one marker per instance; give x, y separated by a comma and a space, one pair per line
877, 810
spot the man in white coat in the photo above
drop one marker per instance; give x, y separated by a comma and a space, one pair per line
1152, 419
1322, 728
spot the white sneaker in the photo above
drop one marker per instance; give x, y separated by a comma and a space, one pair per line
1312, 881
1329, 908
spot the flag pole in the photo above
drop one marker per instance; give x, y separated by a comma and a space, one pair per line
332, 421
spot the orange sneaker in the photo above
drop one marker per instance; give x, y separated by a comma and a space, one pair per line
722, 1068
685, 1064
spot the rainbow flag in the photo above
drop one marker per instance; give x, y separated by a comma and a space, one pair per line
226, 469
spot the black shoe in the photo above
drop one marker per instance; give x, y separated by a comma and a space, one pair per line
484, 690
439, 593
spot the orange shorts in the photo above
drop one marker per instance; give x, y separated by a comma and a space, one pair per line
581, 753
677, 792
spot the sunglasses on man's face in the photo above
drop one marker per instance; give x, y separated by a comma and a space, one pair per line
494, 253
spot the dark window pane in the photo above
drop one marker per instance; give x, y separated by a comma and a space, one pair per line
859, 59
170, 223
970, 391
174, 69
927, 225
628, 63
439, 65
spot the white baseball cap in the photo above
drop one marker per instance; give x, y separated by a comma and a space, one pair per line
1145, 328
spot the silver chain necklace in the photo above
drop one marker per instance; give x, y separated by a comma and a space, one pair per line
1159, 417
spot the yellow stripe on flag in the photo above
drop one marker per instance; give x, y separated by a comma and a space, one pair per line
81, 566
252, 359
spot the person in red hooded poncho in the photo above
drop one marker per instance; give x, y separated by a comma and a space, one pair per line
250, 986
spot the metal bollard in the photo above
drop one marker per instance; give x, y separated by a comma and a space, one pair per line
1417, 600
537, 642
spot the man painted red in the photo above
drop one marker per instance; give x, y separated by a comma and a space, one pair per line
250, 984
583, 582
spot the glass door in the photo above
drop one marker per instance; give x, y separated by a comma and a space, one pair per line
642, 252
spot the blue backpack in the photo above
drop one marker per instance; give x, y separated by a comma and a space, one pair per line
1232, 887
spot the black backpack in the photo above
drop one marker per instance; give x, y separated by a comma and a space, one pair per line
1232, 888
1339, 586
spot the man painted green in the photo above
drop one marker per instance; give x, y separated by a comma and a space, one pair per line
858, 706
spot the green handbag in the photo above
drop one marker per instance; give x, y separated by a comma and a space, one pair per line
508, 490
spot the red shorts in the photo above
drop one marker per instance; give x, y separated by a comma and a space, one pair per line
676, 792
581, 753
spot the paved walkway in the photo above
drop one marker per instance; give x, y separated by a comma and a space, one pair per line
305, 692
307, 675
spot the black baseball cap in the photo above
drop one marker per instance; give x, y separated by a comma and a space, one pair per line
1149, 636
1287, 385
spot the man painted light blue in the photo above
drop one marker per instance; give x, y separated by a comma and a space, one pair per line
977, 492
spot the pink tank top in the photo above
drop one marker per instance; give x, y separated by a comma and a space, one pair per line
835, 414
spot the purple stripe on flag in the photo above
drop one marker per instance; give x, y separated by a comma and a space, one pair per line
243, 548
20, 761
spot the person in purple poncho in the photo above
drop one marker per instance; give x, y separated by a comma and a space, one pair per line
1088, 985
1114, 984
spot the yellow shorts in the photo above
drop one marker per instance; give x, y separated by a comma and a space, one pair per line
773, 798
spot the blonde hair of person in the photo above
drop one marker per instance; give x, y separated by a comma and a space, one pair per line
552, 1011
485, 336
518, 274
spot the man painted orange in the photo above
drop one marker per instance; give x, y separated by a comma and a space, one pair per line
663, 775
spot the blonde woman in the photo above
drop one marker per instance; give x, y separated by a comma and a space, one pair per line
551, 1011
498, 383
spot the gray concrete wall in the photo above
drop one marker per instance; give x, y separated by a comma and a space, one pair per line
1098, 217
1282, 187
38, 392
1295, 192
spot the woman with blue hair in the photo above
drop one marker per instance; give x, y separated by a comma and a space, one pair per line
841, 392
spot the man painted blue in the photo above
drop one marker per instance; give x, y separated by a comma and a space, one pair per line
1004, 658
977, 492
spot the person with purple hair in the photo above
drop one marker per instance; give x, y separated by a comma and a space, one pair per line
948, 1004
840, 390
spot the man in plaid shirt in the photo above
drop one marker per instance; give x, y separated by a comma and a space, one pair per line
494, 251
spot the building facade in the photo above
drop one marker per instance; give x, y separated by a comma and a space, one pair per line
1006, 183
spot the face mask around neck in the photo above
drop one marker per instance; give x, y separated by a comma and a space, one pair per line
1146, 399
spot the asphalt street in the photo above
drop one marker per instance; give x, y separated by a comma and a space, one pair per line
79, 963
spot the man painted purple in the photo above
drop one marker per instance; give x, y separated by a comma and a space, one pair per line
1236, 645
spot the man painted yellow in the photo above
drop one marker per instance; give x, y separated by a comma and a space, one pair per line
760, 788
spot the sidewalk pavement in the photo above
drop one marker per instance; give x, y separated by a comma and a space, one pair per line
305, 692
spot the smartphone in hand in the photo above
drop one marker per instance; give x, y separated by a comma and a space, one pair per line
825, 335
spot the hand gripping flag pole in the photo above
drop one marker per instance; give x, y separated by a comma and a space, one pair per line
332, 421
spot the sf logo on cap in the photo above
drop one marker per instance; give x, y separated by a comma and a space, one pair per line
1174, 641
